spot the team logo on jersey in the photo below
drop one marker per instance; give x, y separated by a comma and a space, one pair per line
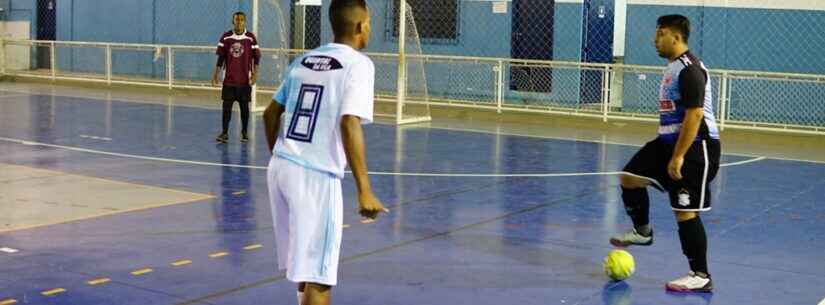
684, 198
236, 49
321, 63
667, 80
667, 106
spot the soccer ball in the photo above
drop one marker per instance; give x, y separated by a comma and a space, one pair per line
619, 265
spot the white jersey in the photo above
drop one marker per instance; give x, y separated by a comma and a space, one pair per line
319, 88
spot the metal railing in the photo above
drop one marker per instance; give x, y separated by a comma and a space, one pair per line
742, 99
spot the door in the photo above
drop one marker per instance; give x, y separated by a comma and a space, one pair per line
532, 38
46, 30
597, 46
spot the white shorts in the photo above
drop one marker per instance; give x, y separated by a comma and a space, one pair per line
307, 213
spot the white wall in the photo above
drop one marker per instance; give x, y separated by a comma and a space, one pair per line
16, 57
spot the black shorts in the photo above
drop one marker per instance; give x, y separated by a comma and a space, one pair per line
236, 93
692, 193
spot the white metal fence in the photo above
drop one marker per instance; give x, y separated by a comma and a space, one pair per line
743, 99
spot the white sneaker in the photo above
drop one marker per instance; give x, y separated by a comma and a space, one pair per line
690, 283
631, 238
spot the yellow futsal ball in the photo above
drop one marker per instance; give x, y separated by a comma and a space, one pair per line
619, 265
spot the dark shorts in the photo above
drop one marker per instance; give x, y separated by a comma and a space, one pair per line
692, 193
236, 93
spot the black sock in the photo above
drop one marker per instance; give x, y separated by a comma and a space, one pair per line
694, 244
244, 116
227, 115
637, 206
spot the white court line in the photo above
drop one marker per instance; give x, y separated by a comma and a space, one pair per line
9, 250
602, 142
150, 101
95, 137
743, 162
537, 175
504, 133
14, 95
153, 102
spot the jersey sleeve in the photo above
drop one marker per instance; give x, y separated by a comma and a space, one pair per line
692, 82
282, 93
359, 91
221, 51
256, 50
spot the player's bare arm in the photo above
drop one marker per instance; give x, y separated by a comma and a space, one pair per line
216, 72
353, 140
272, 122
690, 127
254, 78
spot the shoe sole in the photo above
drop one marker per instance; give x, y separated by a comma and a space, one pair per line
668, 287
619, 243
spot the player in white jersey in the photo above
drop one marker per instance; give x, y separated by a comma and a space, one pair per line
313, 128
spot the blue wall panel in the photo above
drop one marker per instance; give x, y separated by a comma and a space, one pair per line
725, 38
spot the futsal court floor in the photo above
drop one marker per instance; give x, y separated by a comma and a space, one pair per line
119, 200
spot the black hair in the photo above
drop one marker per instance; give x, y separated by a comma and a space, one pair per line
677, 23
342, 14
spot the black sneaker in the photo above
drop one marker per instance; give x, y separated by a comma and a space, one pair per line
222, 138
244, 138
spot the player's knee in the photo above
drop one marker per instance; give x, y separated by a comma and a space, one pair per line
631, 182
685, 216
317, 287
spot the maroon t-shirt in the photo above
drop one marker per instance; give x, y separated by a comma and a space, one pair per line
239, 53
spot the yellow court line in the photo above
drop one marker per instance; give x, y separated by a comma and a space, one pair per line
53, 292
142, 271
8, 302
346, 226
253, 247
98, 281
218, 254
182, 262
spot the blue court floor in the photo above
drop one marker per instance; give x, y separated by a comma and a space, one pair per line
476, 218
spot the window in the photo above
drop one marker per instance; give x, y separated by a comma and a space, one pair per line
435, 20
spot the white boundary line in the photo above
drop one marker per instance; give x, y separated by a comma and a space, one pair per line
152, 102
604, 142
743, 162
535, 175
14, 96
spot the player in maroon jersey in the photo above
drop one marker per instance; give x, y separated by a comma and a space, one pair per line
239, 54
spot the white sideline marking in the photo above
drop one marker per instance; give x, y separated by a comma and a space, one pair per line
9, 250
535, 175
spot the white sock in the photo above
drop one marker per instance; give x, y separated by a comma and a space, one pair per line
300, 296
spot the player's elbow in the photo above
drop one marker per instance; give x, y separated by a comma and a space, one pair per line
267, 115
350, 121
695, 113
350, 125
272, 111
